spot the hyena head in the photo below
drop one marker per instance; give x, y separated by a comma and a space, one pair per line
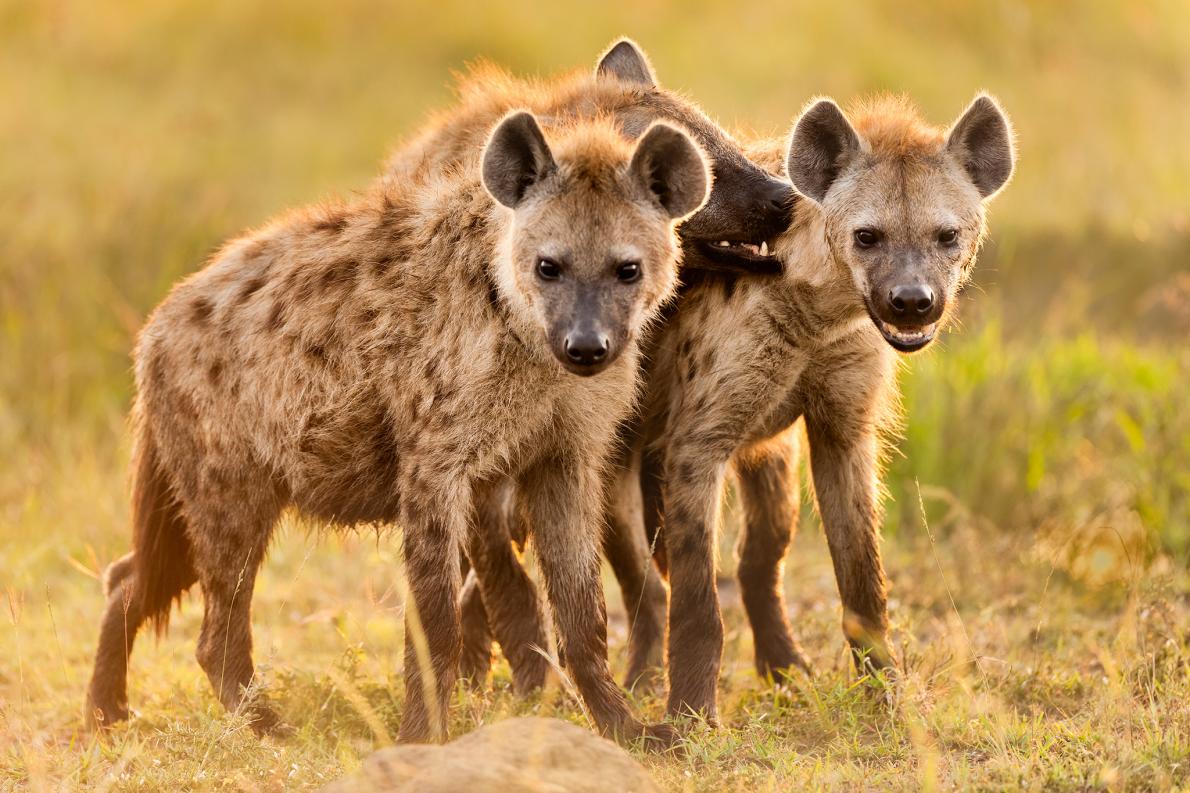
591, 251
748, 208
904, 203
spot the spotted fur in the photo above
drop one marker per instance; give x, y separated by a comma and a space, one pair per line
387, 360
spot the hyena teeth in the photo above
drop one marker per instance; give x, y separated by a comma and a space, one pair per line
723, 244
764, 249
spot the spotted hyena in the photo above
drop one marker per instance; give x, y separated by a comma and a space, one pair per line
873, 263
733, 232
385, 361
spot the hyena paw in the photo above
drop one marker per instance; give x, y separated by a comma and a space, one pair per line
265, 721
101, 716
650, 737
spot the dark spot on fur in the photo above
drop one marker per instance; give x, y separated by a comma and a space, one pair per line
339, 274
215, 373
251, 287
492, 293
276, 316
200, 310
316, 353
729, 284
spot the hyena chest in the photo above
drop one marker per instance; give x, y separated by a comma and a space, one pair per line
802, 357
478, 421
782, 402
421, 423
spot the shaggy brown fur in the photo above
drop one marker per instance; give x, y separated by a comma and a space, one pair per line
747, 206
741, 361
388, 360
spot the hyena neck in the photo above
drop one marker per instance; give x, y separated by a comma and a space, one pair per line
816, 293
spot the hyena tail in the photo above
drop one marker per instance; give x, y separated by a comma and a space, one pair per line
162, 562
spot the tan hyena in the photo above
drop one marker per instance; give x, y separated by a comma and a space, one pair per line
733, 231
873, 263
386, 360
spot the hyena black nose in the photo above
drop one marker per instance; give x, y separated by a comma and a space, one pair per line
913, 300
780, 202
586, 347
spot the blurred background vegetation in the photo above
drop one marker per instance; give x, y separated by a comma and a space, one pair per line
137, 135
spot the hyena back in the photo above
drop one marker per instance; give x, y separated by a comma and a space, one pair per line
386, 360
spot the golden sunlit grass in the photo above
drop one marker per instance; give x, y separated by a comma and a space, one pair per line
1016, 672
1043, 618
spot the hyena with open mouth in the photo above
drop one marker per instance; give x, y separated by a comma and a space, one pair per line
386, 361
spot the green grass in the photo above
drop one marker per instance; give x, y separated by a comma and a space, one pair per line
1042, 619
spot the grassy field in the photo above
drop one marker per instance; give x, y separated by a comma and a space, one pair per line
1038, 536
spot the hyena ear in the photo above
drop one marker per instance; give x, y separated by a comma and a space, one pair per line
981, 140
673, 168
626, 61
515, 158
822, 144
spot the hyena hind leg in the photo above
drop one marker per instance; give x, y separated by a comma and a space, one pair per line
476, 659
107, 694
768, 490
228, 548
644, 595
513, 611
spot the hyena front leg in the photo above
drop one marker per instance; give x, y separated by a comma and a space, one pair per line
768, 490
514, 615
562, 497
433, 633
693, 485
845, 470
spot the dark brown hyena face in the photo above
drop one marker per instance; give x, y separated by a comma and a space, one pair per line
592, 249
747, 208
904, 205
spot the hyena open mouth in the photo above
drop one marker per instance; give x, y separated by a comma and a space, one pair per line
735, 252
906, 339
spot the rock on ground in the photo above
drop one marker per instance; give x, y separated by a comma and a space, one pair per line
528, 754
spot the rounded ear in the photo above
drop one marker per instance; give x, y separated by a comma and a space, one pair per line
981, 140
626, 61
674, 169
515, 158
821, 145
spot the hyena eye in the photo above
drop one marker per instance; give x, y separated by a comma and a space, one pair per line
866, 238
548, 269
627, 272
948, 236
